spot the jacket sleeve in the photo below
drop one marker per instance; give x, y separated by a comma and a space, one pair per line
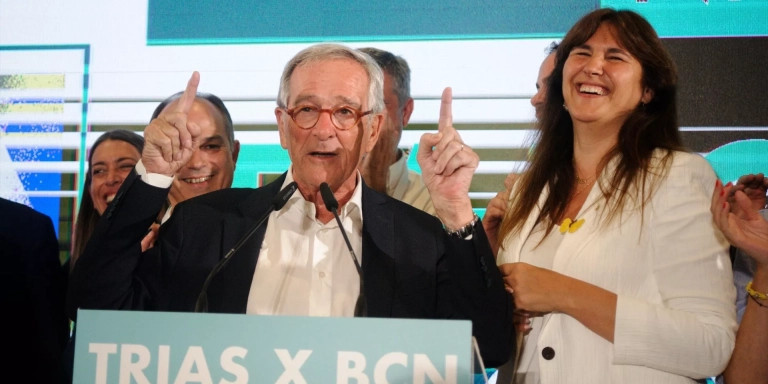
692, 331
106, 274
477, 293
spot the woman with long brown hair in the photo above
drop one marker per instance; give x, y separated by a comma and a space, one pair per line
608, 246
111, 158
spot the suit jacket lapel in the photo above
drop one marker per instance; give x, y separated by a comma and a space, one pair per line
513, 245
378, 253
229, 291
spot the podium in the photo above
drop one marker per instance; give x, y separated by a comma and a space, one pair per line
174, 347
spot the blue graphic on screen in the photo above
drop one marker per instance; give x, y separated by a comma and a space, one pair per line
39, 181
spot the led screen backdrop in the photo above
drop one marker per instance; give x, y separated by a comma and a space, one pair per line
70, 70
274, 21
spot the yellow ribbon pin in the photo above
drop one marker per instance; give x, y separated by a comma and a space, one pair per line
571, 226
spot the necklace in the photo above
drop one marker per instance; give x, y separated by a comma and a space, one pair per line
582, 185
580, 180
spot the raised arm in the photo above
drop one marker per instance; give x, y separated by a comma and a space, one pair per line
106, 275
447, 166
746, 229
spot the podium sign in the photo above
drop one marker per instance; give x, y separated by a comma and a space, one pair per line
167, 348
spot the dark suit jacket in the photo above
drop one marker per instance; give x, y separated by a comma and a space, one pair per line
411, 268
32, 283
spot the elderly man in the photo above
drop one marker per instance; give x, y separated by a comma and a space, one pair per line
328, 116
385, 168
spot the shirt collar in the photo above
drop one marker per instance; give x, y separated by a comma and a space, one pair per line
353, 207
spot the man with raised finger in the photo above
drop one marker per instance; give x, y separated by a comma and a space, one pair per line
329, 115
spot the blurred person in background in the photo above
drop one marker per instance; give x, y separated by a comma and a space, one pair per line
739, 211
385, 168
33, 285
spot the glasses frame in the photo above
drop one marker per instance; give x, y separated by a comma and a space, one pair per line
358, 115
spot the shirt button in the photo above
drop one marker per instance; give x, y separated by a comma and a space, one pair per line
322, 274
548, 353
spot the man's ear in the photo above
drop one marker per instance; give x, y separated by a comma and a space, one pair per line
235, 151
377, 121
407, 110
281, 127
647, 96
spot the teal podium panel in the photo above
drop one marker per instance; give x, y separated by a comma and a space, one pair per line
164, 348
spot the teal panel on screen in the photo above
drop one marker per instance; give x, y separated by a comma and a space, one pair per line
256, 160
271, 21
700, 18
738, 158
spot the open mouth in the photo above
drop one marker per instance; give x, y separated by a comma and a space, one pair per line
109, 198
592, 90
197, 180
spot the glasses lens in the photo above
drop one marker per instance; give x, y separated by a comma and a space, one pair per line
306, 117
344, 117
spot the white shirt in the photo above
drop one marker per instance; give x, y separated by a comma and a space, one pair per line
406, 185
304, 266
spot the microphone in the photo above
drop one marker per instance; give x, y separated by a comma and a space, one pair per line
330, 202
277, 204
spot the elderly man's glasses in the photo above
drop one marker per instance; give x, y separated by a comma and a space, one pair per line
343, 118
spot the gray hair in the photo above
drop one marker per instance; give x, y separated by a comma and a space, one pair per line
397, 68
322, 52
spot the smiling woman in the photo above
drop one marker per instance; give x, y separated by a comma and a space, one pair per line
112, 157
608, 246
602, 84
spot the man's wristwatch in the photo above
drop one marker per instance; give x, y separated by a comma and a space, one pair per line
465, 231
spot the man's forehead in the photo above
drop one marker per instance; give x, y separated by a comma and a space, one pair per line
199, 102
316, 72
336, 99
201, 111
342, 63
548, 64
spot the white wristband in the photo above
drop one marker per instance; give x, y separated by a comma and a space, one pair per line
154, 179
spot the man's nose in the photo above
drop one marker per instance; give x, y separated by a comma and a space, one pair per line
196, 161
324, 127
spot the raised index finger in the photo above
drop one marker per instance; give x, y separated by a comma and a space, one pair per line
188, 97
446, 113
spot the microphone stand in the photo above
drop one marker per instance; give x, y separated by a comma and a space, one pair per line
361, 307
201, 305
